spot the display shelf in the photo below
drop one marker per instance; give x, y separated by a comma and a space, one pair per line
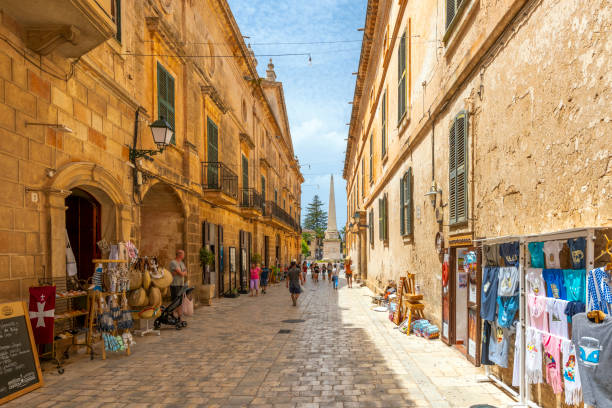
71, 316
70, 297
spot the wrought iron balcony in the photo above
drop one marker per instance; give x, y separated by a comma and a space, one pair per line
276, 213
251, 202
220, 184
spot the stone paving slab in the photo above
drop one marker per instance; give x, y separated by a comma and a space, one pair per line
232, 355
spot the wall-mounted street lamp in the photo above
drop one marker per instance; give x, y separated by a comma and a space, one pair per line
162, 135
433, 193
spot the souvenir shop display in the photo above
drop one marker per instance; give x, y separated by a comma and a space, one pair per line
563, 335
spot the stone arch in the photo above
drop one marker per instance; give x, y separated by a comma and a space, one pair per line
99, 183
163, 220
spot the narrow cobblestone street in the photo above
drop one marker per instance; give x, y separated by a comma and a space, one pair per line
233, 354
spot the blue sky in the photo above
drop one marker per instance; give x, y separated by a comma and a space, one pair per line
316, 95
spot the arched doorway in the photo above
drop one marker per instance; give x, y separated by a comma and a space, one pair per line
162, 224
83, 224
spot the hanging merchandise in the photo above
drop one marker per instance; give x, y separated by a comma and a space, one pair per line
516, 370
488, 295
510, 252
552, 357
508, 281
97, 278
552, 249
574, 308
71, 266
492, 256
564, 257
507, 308
577, 249
486, 338
575, 284
535, 282
571, 375
593, 342
537, 312
533, 356
599, 294
555, 287
499, 344
557, 322
536, 251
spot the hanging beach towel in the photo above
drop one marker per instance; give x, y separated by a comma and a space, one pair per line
533, 356
571, 377
71, 266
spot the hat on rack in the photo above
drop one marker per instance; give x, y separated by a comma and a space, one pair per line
148, 312
155, 297
164, 280
135, 278
138, 297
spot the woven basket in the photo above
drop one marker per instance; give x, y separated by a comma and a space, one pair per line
155, 297
165, 280
138, 298
135, 279
148, 312
146, 279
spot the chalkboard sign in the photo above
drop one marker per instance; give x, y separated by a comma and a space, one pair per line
19, 365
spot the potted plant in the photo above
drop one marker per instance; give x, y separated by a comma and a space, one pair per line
206, 291
256, 259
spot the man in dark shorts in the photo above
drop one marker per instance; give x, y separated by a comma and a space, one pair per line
294, 281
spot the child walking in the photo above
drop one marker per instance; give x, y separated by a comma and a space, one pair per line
334, 278
255, 279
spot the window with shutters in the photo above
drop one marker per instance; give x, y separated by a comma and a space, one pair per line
371, 225
245, 172
116, 13
212, 154
406, 203
458, 154
383, 138
362, 178
263, 187
165, 97
383, 221
453, 7
371, 158
402, 79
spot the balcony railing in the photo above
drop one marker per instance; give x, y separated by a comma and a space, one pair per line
251, 199
217, 176
271, 209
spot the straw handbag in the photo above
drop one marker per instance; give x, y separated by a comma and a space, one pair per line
155, 297
138, 297
165, 280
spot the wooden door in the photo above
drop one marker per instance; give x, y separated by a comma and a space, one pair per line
447, 309
83, 223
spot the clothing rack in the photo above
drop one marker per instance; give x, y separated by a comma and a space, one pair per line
523, 396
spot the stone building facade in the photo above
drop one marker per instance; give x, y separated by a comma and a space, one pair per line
80, 84
474, 119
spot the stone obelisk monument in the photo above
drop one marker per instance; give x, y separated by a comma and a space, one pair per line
331, 243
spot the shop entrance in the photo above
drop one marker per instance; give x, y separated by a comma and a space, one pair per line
83, 223
162, 224
461, 301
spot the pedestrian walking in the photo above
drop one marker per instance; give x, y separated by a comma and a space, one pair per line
315, 273
179, 273
335, 277
329, 272
304, 270
263, 279
255, 270
294, 282
323, 271
348, 272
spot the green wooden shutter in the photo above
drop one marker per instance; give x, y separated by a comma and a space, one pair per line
461, 166
212, 154
450, 12
458, 194
371, 225
402, 219
165, 97
452, 184
386, 217
263, 186
401, 78
408, 201
245, 172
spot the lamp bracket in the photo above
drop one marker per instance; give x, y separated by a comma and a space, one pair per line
137, 153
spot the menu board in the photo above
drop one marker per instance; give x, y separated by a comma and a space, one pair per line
19, 365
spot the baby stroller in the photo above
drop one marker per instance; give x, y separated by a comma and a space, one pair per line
167, 315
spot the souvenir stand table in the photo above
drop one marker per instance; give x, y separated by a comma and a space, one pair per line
592, 256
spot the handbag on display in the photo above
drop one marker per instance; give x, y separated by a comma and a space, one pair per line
187, 306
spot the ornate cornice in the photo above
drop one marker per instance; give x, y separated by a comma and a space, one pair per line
213, 94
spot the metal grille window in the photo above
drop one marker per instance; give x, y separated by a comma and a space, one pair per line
406, 203
165, 97
383, 139
401, 78
458, 151
452, 9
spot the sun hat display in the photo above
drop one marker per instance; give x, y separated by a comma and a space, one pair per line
164, 291
148, 312
155, 296
138, 297
164, 280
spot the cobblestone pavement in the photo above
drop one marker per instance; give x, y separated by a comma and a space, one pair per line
233, 354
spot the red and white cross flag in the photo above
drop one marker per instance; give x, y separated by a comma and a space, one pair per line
42, 313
